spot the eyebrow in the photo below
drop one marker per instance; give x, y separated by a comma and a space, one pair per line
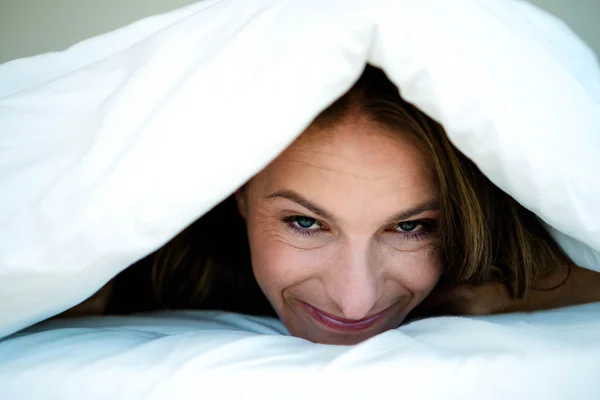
430, 205
297, 198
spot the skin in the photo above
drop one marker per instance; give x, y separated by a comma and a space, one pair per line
349, 184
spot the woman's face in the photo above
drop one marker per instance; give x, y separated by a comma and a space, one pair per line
343, 231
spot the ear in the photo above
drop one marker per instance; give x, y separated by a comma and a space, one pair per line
240, 198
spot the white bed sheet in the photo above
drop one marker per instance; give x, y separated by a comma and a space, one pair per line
214, 355
109, 149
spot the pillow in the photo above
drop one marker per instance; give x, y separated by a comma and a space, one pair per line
112, 147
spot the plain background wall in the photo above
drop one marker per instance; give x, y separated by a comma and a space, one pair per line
29, 27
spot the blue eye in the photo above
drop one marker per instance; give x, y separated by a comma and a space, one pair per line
415, 230
408, 226
304, 226
305, 222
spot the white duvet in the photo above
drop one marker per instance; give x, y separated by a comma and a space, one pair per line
110, 148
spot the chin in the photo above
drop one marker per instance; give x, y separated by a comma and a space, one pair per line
336, 339
320, 335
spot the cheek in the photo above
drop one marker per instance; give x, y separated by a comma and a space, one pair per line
418, 271
277, 264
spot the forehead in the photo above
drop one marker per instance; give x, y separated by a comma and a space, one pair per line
354, 162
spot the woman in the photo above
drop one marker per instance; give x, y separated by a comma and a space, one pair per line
369, 217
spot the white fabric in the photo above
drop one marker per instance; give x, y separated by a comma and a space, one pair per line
110, 148
551, 356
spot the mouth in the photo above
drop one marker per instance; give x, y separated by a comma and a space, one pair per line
345, 325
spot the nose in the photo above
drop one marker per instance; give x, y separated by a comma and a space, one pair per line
353, 281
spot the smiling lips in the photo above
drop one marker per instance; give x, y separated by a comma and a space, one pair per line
341, 324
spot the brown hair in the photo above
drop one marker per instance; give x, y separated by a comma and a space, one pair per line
485, 235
